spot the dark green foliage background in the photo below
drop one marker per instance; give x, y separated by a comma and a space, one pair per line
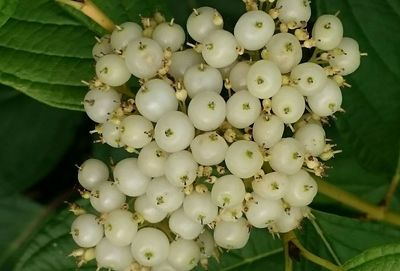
45, 51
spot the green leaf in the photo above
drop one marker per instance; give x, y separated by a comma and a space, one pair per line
7, 8
35, 138
45, 53
380, 258
370, 125
348, 237
12, 234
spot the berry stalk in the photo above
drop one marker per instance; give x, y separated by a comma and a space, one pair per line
290, 239
88, 8
372, 211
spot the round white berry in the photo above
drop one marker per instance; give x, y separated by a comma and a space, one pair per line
309, 78
129, 179
232, 235
106, 197
209, 149
346, 57
297, 11
184, 254
327, 101
288, 104
202, 22
120, 227
123, 34
228, 191
182, 60
92, 172
254, 29
169, 35
100, 104
268, 130
111, 133
136, 131
200, 207
174, 131
290, 220
200, 78
149, 211
272, 186
86, 230
151, 160
264, 79
150, 246
111, 256
312, 136
236, 76
155, 98
285, 50
220, 49
164, 195
243, 158
287, 156
242, 109
262, 213
327, 32
302, 189
180, 168
207, 110
184, 226
143, 57
102, 47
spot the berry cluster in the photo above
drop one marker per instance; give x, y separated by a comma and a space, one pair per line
227, 132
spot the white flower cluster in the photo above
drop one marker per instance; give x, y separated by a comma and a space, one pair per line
226, 132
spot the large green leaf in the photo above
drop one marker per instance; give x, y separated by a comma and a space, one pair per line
380, 258
7, 8
12, 234
34, 138
370, 125
45, 53
347, 237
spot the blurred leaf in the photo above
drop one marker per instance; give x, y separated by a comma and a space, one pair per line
348, 173
7, 8
12, 234
380, 258
370, 125
48, 250
35, 138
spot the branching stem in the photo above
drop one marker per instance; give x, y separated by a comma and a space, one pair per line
290, 238
372, 211
288, 259
88, 8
